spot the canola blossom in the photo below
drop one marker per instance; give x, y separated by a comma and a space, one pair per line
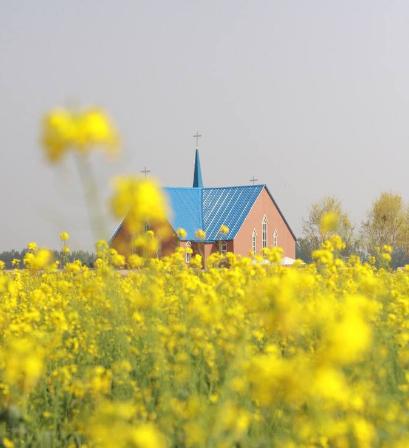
140, 201
200, 234
224, 230
245, 353
64, 130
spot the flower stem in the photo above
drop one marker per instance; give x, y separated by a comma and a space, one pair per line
92, 199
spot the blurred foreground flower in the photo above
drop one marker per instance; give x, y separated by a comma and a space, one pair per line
140, 201
36, 259
64, 130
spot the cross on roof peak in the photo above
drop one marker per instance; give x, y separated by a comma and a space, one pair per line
253, 180
145, 171
197, 136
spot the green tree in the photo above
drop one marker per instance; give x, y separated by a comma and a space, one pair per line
387, 224
314, 232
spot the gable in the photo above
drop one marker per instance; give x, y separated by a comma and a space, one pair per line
253, 233
281, 214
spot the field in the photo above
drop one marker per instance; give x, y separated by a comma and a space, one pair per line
244, 353
169, 355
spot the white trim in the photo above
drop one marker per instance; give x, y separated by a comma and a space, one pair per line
275, 238
254, 242
188, 255
264, 232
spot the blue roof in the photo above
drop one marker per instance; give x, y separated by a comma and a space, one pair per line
209, 208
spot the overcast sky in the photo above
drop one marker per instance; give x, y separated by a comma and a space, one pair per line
311, 97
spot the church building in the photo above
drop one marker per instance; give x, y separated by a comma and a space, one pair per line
251, 214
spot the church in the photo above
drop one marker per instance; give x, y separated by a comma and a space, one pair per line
253, 219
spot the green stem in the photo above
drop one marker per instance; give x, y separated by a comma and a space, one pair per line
92, 198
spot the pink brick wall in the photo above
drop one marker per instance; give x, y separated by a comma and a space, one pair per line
264, 206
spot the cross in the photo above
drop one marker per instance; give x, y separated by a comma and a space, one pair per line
145, 171
197, 136
253, 179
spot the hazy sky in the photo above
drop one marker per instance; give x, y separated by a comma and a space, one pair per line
311, 97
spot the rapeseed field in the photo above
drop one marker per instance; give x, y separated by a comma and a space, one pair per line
244, 353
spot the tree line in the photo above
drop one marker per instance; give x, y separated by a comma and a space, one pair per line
14, 258
386, 223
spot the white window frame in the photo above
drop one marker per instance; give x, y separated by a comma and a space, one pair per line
254, 242
275, 238
223, 247
264, 225
188, 255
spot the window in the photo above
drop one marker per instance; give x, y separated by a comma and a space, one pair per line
275, 237
254, 242
264, 232
223, 247
188, 252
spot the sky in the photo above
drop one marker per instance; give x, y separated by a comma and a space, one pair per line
310, 97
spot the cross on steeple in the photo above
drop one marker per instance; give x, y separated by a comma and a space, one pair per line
197, 136
145, 171
253, 180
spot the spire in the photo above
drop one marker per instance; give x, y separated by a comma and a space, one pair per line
197, 176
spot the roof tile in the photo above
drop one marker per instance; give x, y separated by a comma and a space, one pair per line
209, 208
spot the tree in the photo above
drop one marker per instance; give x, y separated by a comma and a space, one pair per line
387, 224
86, 258
325, 218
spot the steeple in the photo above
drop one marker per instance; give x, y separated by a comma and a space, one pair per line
197, 176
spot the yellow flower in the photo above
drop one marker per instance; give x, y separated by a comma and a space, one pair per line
224, 230
32, 246
329, 222
349, 337
94, 128
7, 443
40, 259
139, 201
64, 236
117, 259
64, 130
147, 436
200, 234
388, 249
147, 243
181, 233
386, 257
135, 261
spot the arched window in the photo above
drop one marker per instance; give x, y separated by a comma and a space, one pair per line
254, 242
275, 237
223, 247
188, 254
264, 232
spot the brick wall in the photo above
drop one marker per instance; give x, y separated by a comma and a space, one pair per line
264, 206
